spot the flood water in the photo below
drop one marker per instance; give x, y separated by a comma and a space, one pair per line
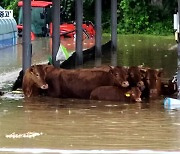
54, 125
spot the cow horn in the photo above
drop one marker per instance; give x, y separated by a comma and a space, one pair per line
111, 67
143, 70
126, 67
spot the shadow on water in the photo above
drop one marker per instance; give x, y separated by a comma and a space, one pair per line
53, 123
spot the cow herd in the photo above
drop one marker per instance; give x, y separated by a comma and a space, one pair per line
124, 84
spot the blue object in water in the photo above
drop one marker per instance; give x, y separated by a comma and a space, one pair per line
8, 32
171, 103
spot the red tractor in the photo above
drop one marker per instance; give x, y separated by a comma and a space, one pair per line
41, 22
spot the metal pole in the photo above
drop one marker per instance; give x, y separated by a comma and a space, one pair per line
114, 32
178, 71
114, 24
79, 32
56, 31
178, 50
27, 46
98, 37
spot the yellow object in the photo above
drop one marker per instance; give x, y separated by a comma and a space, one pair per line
127, 95
17, 92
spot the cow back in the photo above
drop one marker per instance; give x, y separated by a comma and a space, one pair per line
113, 93
79, 83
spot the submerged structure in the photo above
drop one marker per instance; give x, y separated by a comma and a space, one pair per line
8, 31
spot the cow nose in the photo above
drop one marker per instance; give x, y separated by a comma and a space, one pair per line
45, 86
125, 84
153, 91
140, 84
142, 87
138, 99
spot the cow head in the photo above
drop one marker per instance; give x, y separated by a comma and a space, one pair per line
134, 94
153, 81
169, 87
37, 75
135, 77
119, 75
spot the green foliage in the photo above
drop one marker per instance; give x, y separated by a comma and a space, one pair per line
11, 5
139, 16
134, 16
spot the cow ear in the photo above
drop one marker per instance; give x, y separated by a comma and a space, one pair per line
111, 67
143, 72
47, 68
160, 72
126, 67
31, 69
140, 66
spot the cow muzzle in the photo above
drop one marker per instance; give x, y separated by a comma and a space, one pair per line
138, 99
153, 91
125, 84
140, 84
45, 86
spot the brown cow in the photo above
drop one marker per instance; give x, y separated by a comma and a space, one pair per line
34, 80
76, 83
135, 77
80, 82
152, 82
113, 93
53, 80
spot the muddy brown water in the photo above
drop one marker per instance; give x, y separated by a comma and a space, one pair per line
72, 124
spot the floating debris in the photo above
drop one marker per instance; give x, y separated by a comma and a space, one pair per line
110, 105
178, 124
174, 47
24, 135
15, 95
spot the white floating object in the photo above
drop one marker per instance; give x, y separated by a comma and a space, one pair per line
16, 95
171, 103
24, 135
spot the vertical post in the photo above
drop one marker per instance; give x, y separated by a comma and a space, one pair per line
178, 50
114, 24
114, 32
27, 46
98, 37
79, 32
56, 31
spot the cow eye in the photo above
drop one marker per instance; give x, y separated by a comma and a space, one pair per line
132, 75
37, 74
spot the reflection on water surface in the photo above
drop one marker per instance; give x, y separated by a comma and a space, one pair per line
86, 125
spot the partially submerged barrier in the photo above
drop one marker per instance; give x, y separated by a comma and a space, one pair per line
8, 31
